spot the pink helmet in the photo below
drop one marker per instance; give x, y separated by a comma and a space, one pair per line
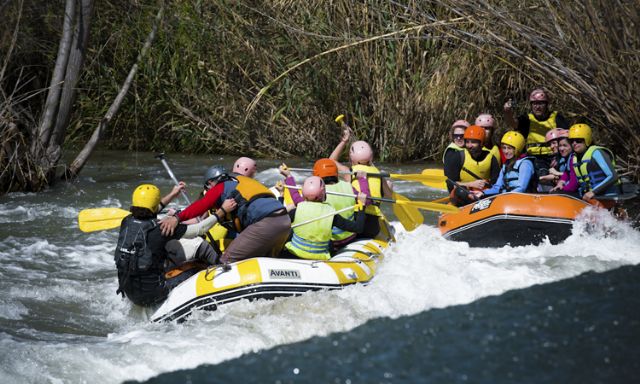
485, 121
460, 124
556, 133
538, 94
360, 153
313, 189
245, 166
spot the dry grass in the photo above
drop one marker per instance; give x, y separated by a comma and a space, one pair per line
402, 72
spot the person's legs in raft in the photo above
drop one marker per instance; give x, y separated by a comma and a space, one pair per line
264, 238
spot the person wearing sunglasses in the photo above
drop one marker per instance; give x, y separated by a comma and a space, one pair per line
456, 135
593, 165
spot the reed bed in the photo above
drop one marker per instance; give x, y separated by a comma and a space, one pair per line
268, 78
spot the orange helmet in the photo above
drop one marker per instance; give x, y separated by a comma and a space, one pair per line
325, 168
474, 132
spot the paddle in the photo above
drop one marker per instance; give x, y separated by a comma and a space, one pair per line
98, 219
420, 177
436, 173
163, 160
410, 217
161, 157
339, 211
426, 205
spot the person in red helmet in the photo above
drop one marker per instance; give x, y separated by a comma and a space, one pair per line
535, 124
487, 122
246, 167
456, 135
313, 239
474, 169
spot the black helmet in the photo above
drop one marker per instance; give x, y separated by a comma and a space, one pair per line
215, 173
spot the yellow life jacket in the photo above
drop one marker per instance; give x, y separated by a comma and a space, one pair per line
338, 203
375, 186
481, 169
249, 190
311, 241
536, 143
219, 234
495, 151
588, 179
452, 147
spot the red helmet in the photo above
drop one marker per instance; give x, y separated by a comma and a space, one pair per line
361, 153
485, 121
538, 94
460, 124
325, 168
245, 166
556, 133
313, 189
474, 132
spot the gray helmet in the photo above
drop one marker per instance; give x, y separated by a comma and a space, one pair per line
215, 173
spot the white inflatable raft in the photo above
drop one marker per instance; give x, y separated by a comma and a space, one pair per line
268, 278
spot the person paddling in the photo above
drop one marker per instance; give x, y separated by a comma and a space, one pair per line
312, 240
146, 272
361, 159
474, 168
327, 170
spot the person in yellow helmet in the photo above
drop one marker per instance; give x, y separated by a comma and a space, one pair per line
517, 173
146, 272
593, 165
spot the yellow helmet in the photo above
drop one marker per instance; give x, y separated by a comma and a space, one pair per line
514, 139
581, 131
146, 196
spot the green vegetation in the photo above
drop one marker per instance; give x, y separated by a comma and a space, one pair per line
460, 58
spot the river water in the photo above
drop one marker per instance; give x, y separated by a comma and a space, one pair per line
438, 311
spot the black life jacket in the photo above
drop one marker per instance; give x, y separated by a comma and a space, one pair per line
140, 274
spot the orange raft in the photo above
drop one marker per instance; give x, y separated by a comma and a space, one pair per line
513, 219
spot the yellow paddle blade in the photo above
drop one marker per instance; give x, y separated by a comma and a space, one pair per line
98, 219
419, 177
437, 184
430, 206
409, 217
